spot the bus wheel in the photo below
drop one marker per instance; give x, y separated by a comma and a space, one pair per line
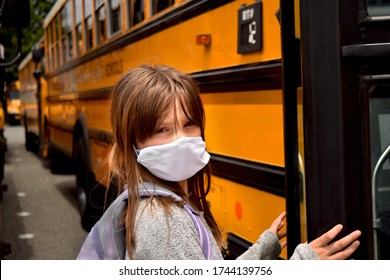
83, 181
88, 190
3, 148
59, 162
31, 142
27, 136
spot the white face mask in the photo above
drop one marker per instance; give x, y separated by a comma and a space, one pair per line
177, 160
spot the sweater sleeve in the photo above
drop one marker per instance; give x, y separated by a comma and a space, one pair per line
304, 252
267, 247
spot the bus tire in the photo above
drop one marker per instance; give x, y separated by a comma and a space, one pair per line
55, 161
29, 141
59, 162
26, 135
3, 149
88, 190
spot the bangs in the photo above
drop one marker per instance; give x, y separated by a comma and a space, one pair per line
162, 94
186, 95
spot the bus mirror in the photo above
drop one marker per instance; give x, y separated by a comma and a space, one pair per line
37, 53
15, 14
37, 74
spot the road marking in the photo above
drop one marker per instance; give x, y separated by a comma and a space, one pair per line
21, 194
23, 214
26, 236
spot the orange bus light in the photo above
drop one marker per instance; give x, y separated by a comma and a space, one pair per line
204, 39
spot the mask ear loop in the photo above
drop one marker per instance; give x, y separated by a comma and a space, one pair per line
137, 151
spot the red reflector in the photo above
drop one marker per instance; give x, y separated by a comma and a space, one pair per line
204, 39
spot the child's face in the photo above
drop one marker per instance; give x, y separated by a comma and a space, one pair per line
169, 131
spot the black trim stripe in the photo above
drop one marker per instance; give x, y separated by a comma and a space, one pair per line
236, 245
260, 176
257, 76
100, 135
176, 16
64, 127
103, 136
101, 93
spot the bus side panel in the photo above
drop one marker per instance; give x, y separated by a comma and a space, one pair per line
242, 210
246, 125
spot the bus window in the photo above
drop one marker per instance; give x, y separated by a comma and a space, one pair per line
69, 29
66, 29
79, 29
378, 8
100, 16
56, 36
52, 45
28, 76
88, 24
136, 12
159, 5
63, 33
115, 14
49, 47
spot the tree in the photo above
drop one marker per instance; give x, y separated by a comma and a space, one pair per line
31, 35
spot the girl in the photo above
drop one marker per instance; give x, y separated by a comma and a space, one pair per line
158, 125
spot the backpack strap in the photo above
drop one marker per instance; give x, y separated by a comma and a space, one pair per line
204, 237
106, 241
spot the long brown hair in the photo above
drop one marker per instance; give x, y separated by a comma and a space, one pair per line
140, 100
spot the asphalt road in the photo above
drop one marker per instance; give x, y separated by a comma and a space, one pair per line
39, 215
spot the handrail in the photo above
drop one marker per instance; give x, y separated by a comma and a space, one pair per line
375, 220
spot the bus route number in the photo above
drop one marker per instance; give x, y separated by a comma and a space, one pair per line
249, 28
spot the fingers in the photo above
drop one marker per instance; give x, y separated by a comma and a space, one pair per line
345, 241
283, 244
282, 234
338, 250
344, 254
328, 236
282, 216
279, 220
277, 224
280, 224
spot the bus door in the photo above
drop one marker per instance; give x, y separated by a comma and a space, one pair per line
344, 48
366, 50
373, 54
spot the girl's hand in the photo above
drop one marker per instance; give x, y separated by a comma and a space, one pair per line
277, 226
338, 250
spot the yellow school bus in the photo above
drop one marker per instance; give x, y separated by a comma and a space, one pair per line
232, 48
33, 93
296, 99
13, 103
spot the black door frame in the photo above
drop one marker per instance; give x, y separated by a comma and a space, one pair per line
340, 44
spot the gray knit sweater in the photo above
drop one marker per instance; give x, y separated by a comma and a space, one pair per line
173, 236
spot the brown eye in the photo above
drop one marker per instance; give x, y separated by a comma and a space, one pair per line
161, 130
190, 123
